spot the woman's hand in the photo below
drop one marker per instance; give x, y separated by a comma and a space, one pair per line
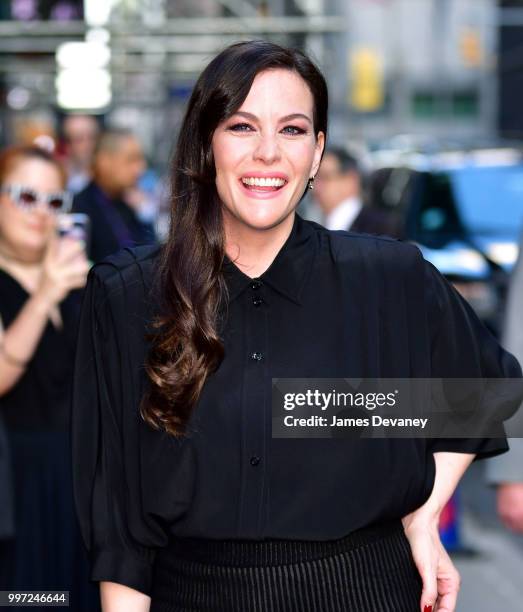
440, 578
65, 267
510, 505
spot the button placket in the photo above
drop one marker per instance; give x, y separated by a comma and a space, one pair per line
257, 301
253, 408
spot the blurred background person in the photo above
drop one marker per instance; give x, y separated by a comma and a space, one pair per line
507, 474
121, 214
80, 133
35, 129
40, 278
338, 191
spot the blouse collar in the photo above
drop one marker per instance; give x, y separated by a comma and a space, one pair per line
289, 270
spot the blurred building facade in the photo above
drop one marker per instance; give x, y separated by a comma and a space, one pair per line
422, 67
418, 67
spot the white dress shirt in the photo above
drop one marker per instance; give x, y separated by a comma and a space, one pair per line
343, 216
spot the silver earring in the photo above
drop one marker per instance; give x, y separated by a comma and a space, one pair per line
311, 183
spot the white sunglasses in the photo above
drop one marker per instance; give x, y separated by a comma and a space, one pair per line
28, 198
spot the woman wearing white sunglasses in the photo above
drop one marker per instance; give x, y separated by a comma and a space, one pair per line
39, 273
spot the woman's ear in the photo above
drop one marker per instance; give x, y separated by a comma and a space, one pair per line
318, 151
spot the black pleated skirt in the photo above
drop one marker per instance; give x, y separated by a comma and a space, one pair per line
369, 570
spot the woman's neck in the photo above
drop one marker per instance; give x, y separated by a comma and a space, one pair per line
253, 250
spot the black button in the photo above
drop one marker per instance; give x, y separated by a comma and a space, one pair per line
255, 460
257, 301
255, 285
256, 356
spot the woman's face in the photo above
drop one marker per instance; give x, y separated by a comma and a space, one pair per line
25, 233
271, 138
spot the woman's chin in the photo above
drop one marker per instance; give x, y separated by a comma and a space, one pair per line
30, 251
261, 216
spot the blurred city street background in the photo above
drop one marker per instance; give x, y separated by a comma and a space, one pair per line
426, 127
491, 568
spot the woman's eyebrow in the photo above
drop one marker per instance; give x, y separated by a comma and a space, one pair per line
286, 118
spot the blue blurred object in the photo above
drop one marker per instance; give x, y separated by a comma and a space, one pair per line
490, 201
449, 528
148, 182
180, 91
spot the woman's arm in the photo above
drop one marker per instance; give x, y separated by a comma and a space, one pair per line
440, 577
64, 267
119, 598
450, 468
122, 539
19, 341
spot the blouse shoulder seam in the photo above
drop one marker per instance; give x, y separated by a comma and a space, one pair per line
110, 270
343, 239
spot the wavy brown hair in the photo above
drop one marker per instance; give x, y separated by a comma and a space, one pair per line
185, 345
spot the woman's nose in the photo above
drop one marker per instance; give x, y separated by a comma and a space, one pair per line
267, 149
41, 210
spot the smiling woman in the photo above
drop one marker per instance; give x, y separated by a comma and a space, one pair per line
186, 501
39, 273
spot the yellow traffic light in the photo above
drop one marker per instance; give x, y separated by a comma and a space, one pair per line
367, 90
470, 47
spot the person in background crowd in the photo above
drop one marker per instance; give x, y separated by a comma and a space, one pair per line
36, 129
338, 192
80, 134
120, 213
40, 278
506, 472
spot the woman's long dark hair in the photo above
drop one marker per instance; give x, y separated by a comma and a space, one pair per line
186, 347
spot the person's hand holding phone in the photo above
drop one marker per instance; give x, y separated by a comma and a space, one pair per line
64, 268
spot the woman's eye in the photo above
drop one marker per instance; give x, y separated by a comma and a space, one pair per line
238, 127
296, 130
245, 127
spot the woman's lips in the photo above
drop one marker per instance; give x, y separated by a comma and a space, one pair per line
261, 193
37, 227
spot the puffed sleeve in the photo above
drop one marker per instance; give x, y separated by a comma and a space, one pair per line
463, 347
120, 537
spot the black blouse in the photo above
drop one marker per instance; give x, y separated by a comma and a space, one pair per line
40, 399
331, 304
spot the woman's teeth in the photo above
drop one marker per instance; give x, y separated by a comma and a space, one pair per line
264, 182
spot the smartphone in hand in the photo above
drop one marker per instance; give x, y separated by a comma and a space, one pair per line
75, 225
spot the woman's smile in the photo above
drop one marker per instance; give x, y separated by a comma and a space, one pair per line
263, 187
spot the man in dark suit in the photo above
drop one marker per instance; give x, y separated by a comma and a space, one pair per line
120, 214
338, 192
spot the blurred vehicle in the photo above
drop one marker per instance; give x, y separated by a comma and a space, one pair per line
465, 212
